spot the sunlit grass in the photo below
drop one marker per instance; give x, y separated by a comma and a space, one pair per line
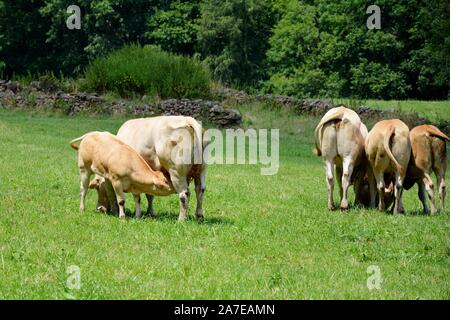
263, 238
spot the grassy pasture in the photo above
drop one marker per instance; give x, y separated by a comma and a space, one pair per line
432, 110
263, 238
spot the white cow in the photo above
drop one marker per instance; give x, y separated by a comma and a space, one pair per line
159, 141
339, 138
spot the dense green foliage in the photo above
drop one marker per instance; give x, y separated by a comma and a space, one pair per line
175, 28
233, 38
148, 70
324, 47
308, 48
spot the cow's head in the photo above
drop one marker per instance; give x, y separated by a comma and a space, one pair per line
104, 199
362, 189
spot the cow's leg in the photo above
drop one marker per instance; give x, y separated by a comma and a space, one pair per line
150, 199
84, 187
379, 177
329, 166
181, 185
339, 174
200, 188
120, 196
137, 203
442, 188
429, 186
423, 196
346, 177
183, 195
398, 207
372, 188
111, 197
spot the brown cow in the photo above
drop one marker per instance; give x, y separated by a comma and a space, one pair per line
103, 154
388, 149
429, 154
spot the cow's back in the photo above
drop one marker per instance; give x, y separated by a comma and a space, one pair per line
152, 139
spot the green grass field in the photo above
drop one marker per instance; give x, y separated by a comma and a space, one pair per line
432, 110
263, 237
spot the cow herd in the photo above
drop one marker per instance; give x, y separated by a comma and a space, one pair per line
381, 163
143, 158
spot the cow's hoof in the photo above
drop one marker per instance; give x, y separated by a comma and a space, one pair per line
122, 217
102, 209
332, 208
344, 209
200, 218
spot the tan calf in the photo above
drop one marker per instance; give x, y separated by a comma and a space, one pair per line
429, 154
105, 155
388, 150
339, 140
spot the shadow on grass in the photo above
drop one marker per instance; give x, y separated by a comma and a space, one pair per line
171, 216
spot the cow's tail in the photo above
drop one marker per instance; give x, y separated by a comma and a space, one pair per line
386, 141
338, 115
317, 151
435, 132
73, 144
198, 141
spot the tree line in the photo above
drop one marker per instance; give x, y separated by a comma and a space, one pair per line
308, 48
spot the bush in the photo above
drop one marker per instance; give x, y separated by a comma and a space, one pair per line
148, 71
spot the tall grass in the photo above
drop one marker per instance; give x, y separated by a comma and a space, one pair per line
148, 71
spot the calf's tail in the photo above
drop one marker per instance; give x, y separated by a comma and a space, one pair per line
73, 144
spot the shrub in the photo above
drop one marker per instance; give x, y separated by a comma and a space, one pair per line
148, 71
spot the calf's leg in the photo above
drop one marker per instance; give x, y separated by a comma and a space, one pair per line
120, 198
111, 197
